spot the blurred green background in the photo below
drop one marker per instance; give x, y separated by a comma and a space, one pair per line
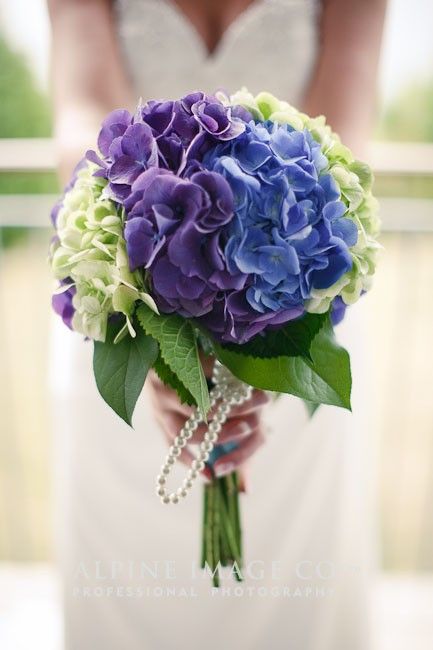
25, 112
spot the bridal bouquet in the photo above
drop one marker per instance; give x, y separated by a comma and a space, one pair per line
233, 227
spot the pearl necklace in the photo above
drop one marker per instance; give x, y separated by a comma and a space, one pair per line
230, 391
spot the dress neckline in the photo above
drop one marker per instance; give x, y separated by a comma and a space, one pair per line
236, 25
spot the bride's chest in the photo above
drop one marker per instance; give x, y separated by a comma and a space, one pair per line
271, 45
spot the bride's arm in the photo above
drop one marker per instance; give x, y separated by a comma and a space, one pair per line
343, 86
87, 74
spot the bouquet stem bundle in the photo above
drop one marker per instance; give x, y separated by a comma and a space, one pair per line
221, 531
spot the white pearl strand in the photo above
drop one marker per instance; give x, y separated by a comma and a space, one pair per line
231, 391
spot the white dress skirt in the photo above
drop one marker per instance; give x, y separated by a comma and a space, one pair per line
129, 564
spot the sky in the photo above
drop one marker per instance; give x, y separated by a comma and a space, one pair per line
407, 53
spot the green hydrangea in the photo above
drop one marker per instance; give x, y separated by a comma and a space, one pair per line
90, 252
354, 180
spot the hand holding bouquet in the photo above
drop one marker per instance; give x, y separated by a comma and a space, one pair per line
237, 226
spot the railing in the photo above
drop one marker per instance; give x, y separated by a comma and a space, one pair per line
406, 161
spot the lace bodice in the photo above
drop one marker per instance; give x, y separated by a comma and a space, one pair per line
272, 45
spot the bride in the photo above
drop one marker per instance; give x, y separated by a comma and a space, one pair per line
128, 564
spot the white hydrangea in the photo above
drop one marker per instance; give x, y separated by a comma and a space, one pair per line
90, 251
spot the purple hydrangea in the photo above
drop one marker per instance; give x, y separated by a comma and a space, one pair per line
174, 229
62, 303
163, 134
338, 310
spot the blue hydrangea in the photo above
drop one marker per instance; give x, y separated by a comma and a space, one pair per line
289, 232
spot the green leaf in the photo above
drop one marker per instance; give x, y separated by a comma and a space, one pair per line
170, 379
311, 407
325, 379
121, 368
292, 340
205, 344
178, 348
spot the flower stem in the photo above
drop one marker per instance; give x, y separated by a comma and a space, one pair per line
221, 537
204, 526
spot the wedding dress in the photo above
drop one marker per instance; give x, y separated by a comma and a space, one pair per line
128, 562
